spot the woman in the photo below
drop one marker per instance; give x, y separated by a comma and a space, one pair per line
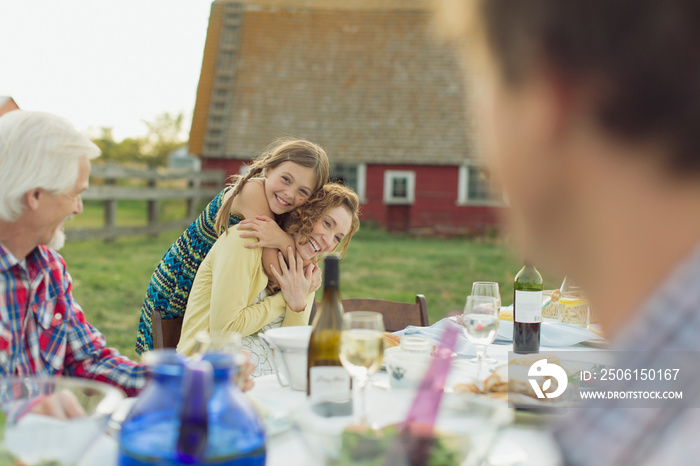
290, 168
228, 293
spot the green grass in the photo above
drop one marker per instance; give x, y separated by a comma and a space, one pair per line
110, 279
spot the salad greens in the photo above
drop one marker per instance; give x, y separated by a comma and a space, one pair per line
370, 447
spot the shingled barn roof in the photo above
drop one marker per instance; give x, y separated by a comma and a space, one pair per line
369, 84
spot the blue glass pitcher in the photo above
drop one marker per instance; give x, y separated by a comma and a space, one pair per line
192, 413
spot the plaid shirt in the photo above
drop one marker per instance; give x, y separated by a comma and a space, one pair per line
609, 435
43, 330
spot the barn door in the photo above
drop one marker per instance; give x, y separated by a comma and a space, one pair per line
398, 218
399, 195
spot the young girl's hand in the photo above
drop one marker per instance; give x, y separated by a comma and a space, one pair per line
266, 231
294, 281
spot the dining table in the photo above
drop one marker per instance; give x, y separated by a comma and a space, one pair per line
518, 444
525, 442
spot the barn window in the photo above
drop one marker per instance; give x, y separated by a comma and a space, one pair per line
399, 187
352, 175
476, 187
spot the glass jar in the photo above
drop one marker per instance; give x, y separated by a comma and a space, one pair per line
191, 413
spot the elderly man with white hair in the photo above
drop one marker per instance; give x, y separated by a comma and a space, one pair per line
44, 169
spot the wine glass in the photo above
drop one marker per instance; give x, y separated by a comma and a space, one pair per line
362, 350
480, 319
487, 289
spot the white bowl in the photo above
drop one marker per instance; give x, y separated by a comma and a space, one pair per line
289, 346
467, 425
33, 438
406, 370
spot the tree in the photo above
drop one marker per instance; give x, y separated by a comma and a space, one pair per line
164, 136
125, 151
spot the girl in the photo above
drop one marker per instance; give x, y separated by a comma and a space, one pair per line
229, 292
292, 169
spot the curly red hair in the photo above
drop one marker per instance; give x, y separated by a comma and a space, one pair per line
301, 221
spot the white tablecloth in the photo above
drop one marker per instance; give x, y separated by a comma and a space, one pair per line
515, 445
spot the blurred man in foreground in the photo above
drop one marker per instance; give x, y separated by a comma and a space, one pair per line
590, 115
44, 169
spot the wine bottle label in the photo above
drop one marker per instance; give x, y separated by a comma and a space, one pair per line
527, 308
329, 383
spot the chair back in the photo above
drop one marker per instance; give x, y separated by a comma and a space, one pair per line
166, 332
397, 316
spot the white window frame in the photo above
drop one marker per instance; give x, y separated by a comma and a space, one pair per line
362, 182
463, 190
361, 175
410, 177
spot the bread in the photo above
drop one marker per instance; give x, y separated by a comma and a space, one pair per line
512, 378
466, 388
574, 311
391, 340
551, 309
498, 380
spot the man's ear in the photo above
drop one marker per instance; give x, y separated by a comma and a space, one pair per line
31, 198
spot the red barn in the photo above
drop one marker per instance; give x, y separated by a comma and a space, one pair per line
366, 81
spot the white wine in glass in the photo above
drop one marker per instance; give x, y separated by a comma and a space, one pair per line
481, 328
362, 350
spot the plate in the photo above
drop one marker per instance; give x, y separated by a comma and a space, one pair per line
275, 425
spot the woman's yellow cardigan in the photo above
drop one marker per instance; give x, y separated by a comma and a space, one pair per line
227, 283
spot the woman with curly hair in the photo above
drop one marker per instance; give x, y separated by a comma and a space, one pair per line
230, 292
278, 181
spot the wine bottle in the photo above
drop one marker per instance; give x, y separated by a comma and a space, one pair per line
527, 310
328, 383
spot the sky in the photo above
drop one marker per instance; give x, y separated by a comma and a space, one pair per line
103, 63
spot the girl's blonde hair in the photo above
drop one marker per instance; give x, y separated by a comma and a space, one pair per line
301, 221
300, 151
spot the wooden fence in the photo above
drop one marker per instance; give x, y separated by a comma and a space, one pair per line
195, 187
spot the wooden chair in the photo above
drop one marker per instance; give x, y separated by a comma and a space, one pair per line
397, 316
166, 332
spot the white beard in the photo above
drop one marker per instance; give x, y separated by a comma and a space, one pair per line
57, 240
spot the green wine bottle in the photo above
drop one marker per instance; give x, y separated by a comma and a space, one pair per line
328, 383
527, 310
